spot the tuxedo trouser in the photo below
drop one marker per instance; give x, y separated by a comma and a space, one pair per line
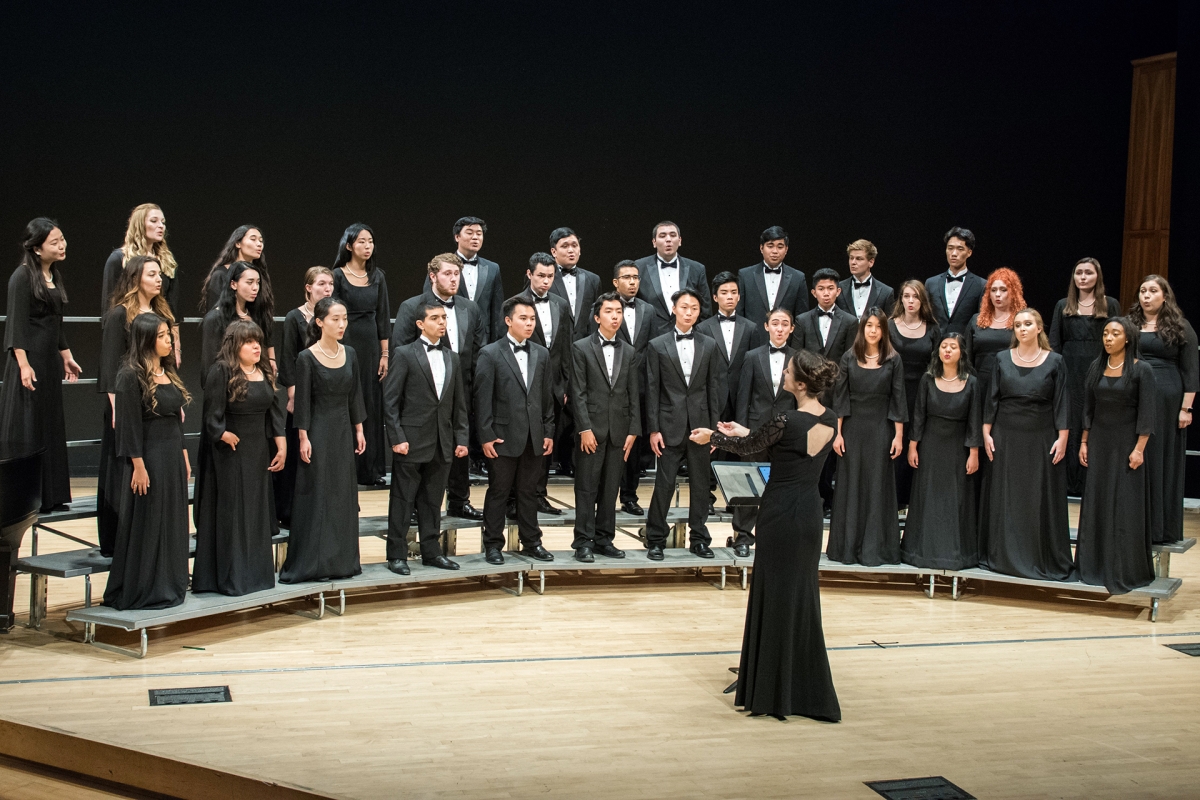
664, 489
597, 479
505, 474
421, 485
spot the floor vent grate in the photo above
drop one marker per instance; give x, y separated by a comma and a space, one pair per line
936, 788
1187, 648
194, 695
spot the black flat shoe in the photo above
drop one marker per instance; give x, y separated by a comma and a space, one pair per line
702, 550
399, 566
441, 562
494, 556
632, 507
465, 511
584, 554
655, 553
538, 552
609, 550
544, 507
741, 550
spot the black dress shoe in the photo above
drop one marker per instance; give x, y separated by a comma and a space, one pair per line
399, 566
655, 553
702, 550
544, 507
632, 507
412, 520
584, 554
609, 550
465, 511
741, 550
441, 562
380, 482
494, 556
538, 552
511, 513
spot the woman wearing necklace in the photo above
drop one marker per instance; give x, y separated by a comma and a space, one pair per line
318, 283
137, 290
37, 360
362, 286
150, 558
329, 416
246, 243
1113, 547
946, 431
990, 331
1075, 335
1168, 345
785, 667
914, 333
868, 399
235, 507
1023, 512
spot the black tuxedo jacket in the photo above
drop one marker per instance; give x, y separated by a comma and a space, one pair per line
504, 407
489, 296
746, 336
674, 406
752, 293
609, 409
645, 327
842, 330
881, 295
562, 328
757, 401
471, 330
692, 275
413, 412
587, 286
966, 306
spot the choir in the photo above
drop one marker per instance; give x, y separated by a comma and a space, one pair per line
959, 422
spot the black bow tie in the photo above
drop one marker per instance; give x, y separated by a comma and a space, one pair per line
438, 346
772, 270
775, 349
445, 303
724, 318
474, 262
630, 303
679, 337
606, 343
567, 270
520, 348
821, 313
545, 299
667, 265
951, 278
864, 285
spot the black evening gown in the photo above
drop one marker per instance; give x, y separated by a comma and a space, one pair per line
864, 527
1078, 340
324, 533
784, 666
369, 325
295, 333
1115, 530
112, 272
915, 354
235, 511
220, 278
150, 559
982, 346
1175, 373
1023, 527
941, 531
33, 420
114, 345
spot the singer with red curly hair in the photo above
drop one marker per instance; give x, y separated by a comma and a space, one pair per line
990, 331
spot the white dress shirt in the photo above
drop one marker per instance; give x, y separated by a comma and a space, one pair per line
687, 354
609, 354
437, 365
545, 318
470, 276
451, 337
776, 360
728, 326
570, 283
630, 314
953, 289
772, 280
860, 295
668, 278
522, 359
823, 324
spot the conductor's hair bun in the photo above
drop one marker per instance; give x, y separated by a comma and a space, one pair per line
815, 372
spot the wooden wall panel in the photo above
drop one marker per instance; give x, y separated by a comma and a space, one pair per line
1148, 175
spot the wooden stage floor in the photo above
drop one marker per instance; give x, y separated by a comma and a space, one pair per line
610, 685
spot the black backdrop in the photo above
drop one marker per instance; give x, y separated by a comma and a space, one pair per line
889, 121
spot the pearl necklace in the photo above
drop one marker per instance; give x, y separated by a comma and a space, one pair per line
336, 353
873, 358
997, 319
352, 272
920, 322
1028, 360
158, 374
1110, 364
251, 372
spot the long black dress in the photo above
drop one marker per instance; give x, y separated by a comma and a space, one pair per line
235, 510
982, 346
295, 332
1176, 372
941, 530
1023, 527
33, 420
864, 527
784, 666
114, 344
915, 354
1115, 530
112, 272
1077, 339
150, 559
369, 313
324, 534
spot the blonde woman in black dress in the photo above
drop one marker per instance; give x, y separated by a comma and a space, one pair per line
784, 665
145, 235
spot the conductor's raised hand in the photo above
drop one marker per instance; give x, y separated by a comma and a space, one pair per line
733, 429
489, 448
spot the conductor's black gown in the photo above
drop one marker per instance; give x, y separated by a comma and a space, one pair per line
1077, 338
915, 353
864, 527
33, 420
324, 534
1175, 373
941, 532
235, 509
369, 313
295, 332
150, 558
784, 666
1115, 529
1023, 514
